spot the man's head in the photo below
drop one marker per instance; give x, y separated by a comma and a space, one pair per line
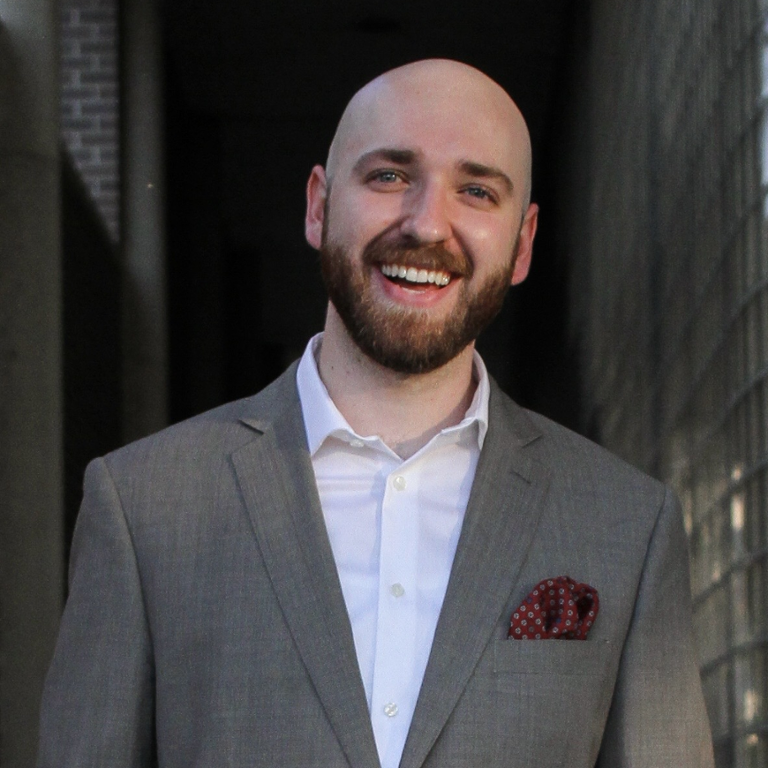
422, 213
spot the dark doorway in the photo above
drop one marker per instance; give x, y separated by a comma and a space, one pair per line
253, 94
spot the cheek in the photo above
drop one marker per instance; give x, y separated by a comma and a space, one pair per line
493, 231
370, 210
490, 244
353, 223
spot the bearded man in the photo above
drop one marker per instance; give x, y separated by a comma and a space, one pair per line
381, 560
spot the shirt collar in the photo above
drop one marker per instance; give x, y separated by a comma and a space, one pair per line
322, 418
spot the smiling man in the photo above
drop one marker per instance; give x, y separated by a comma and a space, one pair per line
429, 220
381, 560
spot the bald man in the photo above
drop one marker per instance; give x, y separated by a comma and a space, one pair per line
381, 560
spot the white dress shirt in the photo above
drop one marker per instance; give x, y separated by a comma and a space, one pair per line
393, 527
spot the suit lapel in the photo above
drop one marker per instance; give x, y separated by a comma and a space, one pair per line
276, 478
502, 516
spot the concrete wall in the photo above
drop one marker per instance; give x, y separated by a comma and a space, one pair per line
31, 562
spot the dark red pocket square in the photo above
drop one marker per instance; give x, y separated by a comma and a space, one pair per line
556, 609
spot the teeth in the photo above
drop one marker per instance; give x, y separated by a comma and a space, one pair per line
413, 275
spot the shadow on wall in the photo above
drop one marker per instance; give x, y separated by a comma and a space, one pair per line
91, 329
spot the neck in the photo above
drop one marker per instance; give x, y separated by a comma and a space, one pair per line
404, 410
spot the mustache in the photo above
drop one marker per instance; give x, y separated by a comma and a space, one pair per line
433, 256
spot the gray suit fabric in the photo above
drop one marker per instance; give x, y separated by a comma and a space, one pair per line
205, 624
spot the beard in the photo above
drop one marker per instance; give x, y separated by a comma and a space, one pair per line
408, 339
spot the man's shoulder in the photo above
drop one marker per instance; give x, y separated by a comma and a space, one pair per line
211, 435
574, 459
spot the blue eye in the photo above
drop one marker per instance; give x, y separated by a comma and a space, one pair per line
386, 176
478, 192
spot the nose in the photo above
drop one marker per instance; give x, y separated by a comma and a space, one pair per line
426, 217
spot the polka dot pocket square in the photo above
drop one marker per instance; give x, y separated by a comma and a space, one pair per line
556, 609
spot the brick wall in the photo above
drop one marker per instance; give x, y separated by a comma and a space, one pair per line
89, 100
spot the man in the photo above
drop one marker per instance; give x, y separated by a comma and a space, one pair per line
326, 574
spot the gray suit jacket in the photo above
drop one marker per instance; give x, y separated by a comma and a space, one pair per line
205, 624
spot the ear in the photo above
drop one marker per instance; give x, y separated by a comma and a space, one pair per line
525, 244
317, 187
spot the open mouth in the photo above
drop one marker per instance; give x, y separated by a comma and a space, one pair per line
415, 278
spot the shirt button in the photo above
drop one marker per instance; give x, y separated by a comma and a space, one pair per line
356, 443
390, 710
397, 590
399, 483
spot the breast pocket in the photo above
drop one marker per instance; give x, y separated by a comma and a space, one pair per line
532, 697
543, 694
554, 657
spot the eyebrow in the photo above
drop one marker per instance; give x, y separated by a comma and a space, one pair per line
389, 154
480, 171
408, 156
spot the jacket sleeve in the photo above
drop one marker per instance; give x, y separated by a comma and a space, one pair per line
657, 716
98, 707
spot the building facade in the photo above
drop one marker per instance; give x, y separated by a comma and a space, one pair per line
669, 297
657, 160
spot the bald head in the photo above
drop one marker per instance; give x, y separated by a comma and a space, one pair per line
428, 173
446, 99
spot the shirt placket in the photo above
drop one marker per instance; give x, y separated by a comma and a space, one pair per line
393, 694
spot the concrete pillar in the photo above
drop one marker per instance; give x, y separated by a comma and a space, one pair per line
145, 334
31, 497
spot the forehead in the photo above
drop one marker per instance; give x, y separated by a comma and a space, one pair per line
440, 123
